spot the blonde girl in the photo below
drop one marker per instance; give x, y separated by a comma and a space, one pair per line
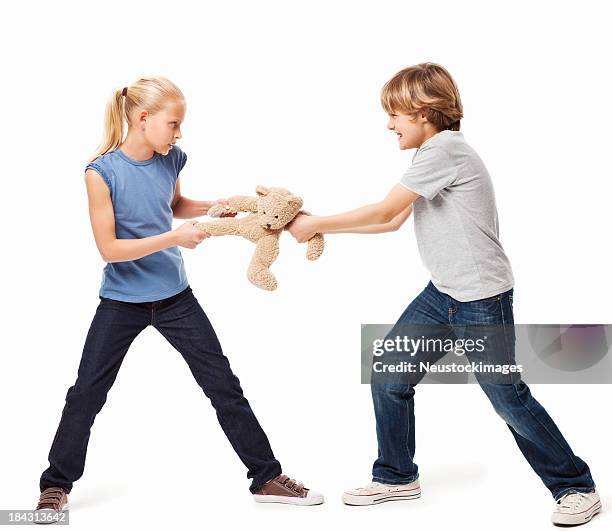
133, 188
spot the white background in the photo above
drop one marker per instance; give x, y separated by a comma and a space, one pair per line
287, 94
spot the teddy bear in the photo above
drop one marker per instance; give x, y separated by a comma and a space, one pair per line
269, 212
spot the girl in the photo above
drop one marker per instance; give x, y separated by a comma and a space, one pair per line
134, 192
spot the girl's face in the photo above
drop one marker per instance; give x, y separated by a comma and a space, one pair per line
161, 130
411, 129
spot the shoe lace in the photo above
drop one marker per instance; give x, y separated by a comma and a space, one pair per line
571, 500
51, 498
370, 486
291, 483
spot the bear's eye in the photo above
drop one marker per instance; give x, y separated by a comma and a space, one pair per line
264, 211
276, 217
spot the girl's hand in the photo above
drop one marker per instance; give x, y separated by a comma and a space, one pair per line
188, 235
225, 203
303, 227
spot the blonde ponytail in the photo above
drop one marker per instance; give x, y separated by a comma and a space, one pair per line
148, 93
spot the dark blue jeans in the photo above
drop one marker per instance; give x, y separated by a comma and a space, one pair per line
182, 321
535, 433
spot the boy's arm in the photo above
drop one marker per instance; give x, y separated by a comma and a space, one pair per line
391, 226
384, 211
398, 199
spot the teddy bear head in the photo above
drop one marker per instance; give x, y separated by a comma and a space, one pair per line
276, 207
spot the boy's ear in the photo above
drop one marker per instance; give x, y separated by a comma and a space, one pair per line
262, 190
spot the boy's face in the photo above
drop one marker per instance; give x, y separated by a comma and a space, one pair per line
411, 130
163, 129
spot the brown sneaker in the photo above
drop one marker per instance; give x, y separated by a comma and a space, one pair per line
52, 501
283, 489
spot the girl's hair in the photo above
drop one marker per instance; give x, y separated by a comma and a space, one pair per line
424, 87
149, 93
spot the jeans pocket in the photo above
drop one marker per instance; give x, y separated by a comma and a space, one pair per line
487, 311
489, 300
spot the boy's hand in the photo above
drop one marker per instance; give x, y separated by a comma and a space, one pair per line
188, 235
302, 228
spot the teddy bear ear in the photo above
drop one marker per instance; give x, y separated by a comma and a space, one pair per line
296, 201
262, 190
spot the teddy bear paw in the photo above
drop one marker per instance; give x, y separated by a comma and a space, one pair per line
217, 209
263, 279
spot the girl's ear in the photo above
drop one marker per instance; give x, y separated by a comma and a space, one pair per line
262, 190
142, 117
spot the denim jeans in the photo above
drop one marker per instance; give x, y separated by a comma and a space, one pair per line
182, 321
535, 433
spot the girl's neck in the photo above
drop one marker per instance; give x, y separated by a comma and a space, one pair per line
136, 149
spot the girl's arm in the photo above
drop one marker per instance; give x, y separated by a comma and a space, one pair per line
102, 218
185, 208
398, 199
391, 226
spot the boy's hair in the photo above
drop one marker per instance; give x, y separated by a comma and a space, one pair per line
424, 87
149, 93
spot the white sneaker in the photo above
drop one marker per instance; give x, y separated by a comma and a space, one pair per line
576, 508
376, 492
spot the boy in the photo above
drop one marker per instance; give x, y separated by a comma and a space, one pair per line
456, 227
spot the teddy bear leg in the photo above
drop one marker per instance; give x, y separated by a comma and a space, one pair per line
266, 251
315, 247
223, 227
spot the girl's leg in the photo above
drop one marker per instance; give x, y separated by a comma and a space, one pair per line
114, 327
184, 324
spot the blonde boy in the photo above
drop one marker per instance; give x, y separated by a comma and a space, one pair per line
456, 226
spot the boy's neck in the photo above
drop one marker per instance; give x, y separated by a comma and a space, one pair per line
429, 132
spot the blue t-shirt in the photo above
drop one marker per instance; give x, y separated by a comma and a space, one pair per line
142, 192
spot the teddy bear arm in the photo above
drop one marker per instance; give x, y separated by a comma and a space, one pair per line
243, 203
235, 205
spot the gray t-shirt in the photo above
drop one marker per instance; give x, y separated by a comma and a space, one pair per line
455, 219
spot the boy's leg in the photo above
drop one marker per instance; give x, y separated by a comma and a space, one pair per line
394, 402
539, 439
182, 321
113, 328
534, 431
